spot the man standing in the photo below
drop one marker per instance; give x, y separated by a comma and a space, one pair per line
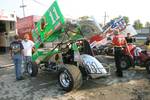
129, 38
28, 45
118, 42
16, 52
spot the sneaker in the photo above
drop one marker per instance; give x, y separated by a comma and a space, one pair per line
21, 78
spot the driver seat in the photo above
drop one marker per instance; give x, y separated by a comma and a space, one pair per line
87, 48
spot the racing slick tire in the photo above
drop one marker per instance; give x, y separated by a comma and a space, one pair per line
32, 69
70, 77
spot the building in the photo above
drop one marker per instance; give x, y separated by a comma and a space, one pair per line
7, 29
26, 24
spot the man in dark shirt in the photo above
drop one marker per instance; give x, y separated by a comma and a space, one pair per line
129, 38
16, 53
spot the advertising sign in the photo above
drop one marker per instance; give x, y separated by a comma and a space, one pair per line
48, 25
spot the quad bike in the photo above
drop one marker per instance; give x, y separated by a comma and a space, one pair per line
129, 59
67, 53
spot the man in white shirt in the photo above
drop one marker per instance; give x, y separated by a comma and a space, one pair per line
27, 51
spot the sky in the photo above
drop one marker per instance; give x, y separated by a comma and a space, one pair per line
134, 9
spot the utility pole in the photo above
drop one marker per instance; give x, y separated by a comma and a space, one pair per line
105, 16
23, 8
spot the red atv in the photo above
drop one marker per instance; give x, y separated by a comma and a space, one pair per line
134, 56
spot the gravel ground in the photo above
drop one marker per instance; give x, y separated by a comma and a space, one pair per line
5, 60
133, 86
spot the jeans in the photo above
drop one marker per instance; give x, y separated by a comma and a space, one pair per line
26, 60
17, 59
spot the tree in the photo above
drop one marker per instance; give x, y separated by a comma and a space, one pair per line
84, 17
126, 19
137, 24
147, 24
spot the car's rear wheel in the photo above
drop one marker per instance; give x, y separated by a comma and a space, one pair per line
32, 69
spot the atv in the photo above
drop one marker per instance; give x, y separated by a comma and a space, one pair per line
129, 58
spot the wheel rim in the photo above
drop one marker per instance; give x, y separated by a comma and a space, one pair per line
29, 68
123, 64
64, 79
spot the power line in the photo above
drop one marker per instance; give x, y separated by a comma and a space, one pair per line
39, 3
23, 5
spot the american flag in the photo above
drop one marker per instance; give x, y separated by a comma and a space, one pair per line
118, 23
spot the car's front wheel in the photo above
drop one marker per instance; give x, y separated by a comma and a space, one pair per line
70, 78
